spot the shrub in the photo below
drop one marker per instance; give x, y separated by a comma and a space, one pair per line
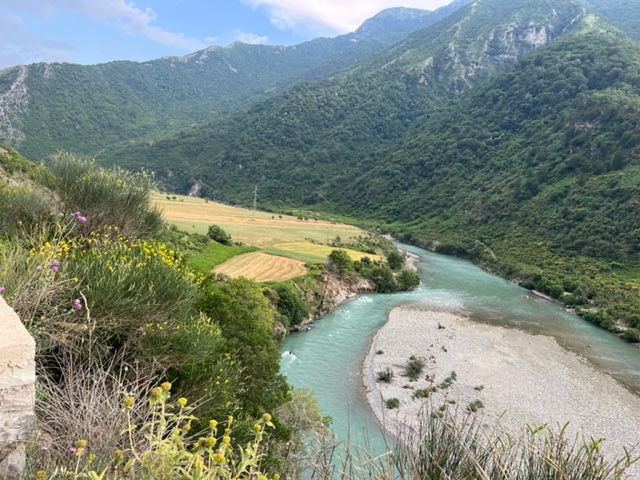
130, 284
290, 305
21, 208
195, 355
219, 235
414, 368
631, 335
475, 406
392, 403
339, 262
247, 326
385, 375
382, 277
449, 445
424, 392
395, 260
112, 197
165, 447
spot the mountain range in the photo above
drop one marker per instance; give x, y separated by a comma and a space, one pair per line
507, 132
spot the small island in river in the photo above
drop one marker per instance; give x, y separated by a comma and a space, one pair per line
505, 375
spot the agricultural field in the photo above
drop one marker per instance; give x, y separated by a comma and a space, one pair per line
262, 267
278, 236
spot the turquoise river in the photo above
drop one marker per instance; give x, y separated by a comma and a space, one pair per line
327, 359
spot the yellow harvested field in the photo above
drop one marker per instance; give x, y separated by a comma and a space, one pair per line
261, 267
279, 235
321, 251
265, 230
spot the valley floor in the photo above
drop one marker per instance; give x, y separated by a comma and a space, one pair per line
519, 378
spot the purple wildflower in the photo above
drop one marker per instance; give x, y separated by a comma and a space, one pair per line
38, 267
44, 448
55, 265
2, 289
82, 219
77, 304
76, 213
72, 449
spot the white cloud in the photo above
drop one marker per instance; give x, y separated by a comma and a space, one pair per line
337, 16
124, 14
252, 38
19, 46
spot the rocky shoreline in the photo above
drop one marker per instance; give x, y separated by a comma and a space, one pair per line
519, 378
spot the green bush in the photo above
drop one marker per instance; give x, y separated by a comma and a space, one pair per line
194, 354
385, 375
382, 277
392, 403
631, 335
23, 207
407, 279
475, 406
395, 260
290, 305
168, 449
218, 234
414, 368
247, 320
339, 262
115, 197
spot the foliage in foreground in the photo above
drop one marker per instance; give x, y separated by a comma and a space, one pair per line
448, 445
164, 447
101, 294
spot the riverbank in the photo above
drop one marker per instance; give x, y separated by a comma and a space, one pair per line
519, 378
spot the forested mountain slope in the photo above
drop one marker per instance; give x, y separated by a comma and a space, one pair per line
622, 13
293, 144
534, 173
85, 108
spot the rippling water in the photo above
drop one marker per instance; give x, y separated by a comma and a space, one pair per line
327, 359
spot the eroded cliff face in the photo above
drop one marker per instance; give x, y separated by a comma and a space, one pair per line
14, 102
331, 293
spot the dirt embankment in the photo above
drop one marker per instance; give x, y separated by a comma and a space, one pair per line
332, 292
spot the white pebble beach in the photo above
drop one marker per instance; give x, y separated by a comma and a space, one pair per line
520, 377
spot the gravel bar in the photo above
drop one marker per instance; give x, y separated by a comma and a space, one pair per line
520, 378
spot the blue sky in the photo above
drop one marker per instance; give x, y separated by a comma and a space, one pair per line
97, 31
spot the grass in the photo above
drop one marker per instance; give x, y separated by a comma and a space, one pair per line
414, 368
277, 235
265, 230
214, 254
385, 375
313, 253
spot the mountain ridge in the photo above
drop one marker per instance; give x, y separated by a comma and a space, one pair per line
87, 108
525, 162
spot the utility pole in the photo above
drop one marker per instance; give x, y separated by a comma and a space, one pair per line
255, 198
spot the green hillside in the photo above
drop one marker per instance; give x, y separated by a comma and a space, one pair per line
293, 144
531, 170
622, 13
87, 108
